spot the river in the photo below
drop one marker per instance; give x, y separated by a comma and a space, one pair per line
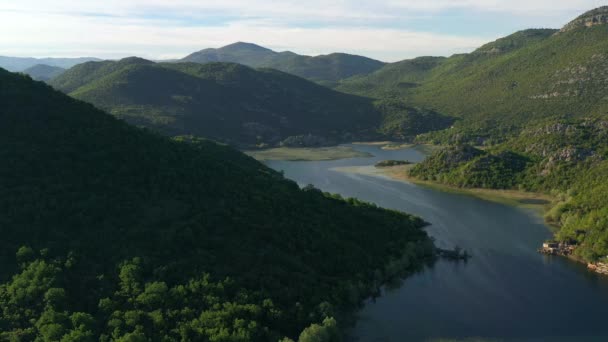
506, 292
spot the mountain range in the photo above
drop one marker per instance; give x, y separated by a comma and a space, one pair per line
22, 63
529, 76
223, 101
325, 69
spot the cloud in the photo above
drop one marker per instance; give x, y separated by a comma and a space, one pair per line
388, 30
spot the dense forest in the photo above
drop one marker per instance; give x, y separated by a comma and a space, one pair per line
112, 232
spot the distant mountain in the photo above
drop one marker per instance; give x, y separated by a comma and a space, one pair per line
326, 69
223, 101
42, 72
110, 232
22, 63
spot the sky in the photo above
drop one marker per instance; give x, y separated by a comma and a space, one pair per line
388, 30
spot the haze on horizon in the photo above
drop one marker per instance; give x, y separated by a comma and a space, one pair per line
387, 30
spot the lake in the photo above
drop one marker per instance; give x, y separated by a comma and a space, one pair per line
506, 292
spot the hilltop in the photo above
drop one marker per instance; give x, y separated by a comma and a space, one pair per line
596, 17
325, 69
110, 232
42, 72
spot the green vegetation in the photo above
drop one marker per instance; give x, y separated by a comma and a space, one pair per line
502, 87
111, 232
466, 166
42, 72
221, 101
309, 154
401, 122
325, 69
566, 158
241, 106
391, 163
536, 102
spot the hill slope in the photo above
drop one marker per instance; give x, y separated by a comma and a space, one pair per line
537, 101
222, 101
132, 236
530, 76
326, 69
42, 72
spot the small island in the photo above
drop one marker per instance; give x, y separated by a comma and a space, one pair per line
391, 163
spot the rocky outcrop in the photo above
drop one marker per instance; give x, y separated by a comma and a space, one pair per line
598, 16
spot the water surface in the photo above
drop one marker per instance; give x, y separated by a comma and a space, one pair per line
506, 292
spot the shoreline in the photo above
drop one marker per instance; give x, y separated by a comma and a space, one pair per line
537, 202
307, 153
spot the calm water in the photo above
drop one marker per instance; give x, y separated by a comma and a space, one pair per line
506, 292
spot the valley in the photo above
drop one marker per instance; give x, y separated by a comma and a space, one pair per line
456, 301
245, 193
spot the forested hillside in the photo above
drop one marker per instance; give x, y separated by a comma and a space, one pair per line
497, 90
238, 105
110, 232
222, 101
536, 102
566, 158
325, 69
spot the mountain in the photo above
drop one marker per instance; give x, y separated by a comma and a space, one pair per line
110, 232
222, 101
22, 63
42, 72
536, 102
530, 76
325, 69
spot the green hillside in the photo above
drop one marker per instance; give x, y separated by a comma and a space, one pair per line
226, 102
122, 234
326, 69
567, 158
530, 76
42, 72
393, 79
236, 104
536, 101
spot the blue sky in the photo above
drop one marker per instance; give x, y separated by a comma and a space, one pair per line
388, 30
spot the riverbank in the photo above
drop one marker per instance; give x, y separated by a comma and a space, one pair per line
307, 154
536, 201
